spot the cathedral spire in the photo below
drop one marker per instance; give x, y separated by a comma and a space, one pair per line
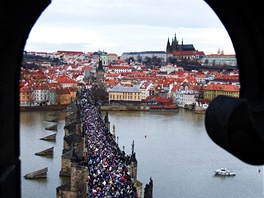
168, 42
168, 45
175, 38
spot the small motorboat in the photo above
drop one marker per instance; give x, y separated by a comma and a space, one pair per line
224, 172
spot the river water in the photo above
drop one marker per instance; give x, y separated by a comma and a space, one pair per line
172, 148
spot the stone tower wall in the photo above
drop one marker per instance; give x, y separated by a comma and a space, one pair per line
79, 176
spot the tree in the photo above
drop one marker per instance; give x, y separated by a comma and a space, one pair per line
147, 60
139, 58
130, 59
156, 61
99, 93
172, 60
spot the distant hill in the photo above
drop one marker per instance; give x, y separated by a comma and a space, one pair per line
33, 61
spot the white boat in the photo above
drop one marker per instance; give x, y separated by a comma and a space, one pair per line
224, 172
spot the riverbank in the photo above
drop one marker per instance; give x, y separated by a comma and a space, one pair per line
44, 108
124, 108
103, 108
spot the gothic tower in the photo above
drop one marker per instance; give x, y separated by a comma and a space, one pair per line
168, 47
174, 44
100, 70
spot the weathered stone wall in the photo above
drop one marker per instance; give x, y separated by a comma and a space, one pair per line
65, 166
79, 175
66, 194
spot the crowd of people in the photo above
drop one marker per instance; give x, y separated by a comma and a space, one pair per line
108, 172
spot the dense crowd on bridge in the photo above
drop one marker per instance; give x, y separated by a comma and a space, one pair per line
108, 173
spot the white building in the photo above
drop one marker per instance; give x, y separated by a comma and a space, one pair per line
186, 96
112, 57
219, 60
144, 54
40, 93
145, 88
120, 68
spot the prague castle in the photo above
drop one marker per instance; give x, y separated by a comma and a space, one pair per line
175, 46
182, 51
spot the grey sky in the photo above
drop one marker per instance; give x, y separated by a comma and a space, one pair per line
118, 26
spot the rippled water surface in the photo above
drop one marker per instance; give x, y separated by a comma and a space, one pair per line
171, 147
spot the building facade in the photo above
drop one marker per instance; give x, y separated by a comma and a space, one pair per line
219, 60
181, 51
128, 94
142, 55
213, 90
25, 95
40, 94
175, 46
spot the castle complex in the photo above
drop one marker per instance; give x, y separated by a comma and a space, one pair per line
174, 46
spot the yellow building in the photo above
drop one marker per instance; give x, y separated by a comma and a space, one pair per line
120, 93
213, 90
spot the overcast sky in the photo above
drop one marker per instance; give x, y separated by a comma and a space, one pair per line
117, 26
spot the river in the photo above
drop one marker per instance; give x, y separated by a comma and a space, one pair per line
172, 148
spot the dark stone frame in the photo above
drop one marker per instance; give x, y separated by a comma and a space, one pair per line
234, 124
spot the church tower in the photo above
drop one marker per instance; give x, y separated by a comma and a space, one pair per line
174, 44
168, 47
100, 70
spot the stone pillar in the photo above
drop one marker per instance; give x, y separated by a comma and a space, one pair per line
79, 176
65, 166
148, 191
79, 128
133, 166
